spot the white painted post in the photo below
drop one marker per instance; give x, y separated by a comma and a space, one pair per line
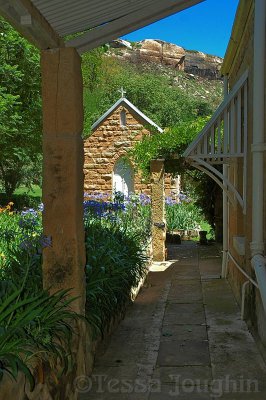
225, 201
257, 245
238, 124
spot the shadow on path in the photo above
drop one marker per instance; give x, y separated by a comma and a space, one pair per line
182, 338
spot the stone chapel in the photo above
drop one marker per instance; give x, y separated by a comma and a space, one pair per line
107, 167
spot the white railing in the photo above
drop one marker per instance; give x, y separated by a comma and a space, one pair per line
224, 139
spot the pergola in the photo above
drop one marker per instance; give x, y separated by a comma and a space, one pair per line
46, 24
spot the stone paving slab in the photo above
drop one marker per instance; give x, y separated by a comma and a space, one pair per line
186, 274
130, 336
182, 353
186, 283
140, 323
118, 355
169, 392
243, 396
117, 371
234, 354
183, 332
180, 267
180, 374
185, 291
189, 294
210, 252
177, 313
186, 254
210, 267
114, 395
187, 261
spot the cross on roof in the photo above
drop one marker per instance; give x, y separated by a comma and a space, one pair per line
122, 91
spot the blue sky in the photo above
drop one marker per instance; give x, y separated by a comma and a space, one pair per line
205, 27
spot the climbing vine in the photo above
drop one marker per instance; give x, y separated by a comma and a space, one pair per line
170, 145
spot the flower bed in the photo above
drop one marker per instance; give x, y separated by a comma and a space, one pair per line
116, 237
182, 216
34, 325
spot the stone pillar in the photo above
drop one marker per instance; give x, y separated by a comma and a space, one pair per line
62, 97
158, 230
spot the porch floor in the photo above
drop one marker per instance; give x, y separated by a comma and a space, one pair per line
182, 338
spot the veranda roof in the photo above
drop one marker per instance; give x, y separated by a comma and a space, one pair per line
46, 23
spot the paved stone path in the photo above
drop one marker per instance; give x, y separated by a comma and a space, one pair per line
183, 338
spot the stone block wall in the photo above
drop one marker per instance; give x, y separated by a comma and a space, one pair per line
158, 229
109, 142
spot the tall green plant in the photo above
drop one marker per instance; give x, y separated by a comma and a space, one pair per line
20, 111
33, 326
115, 263
182, 216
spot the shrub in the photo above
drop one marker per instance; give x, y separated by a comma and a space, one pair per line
20, 201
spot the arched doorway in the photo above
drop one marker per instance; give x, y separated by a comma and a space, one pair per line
123, 177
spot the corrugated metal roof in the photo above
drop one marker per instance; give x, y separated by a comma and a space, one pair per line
46, 23
126, 102
68, 17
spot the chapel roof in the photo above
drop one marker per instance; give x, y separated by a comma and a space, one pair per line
125, 102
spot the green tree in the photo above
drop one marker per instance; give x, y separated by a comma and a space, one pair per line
20, 111
151, 91
170, 145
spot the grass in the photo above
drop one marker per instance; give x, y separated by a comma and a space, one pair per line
22, 198
35, 192
205, 227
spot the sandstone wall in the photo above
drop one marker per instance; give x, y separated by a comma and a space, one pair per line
239, 224
107, 145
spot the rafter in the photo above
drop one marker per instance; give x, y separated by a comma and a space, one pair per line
30, 23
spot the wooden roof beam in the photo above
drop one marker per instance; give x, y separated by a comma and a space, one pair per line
30, 23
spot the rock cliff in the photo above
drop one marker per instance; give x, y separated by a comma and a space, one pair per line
168, 54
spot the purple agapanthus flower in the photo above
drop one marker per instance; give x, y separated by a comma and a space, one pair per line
30, 212
170, 201
144, 199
